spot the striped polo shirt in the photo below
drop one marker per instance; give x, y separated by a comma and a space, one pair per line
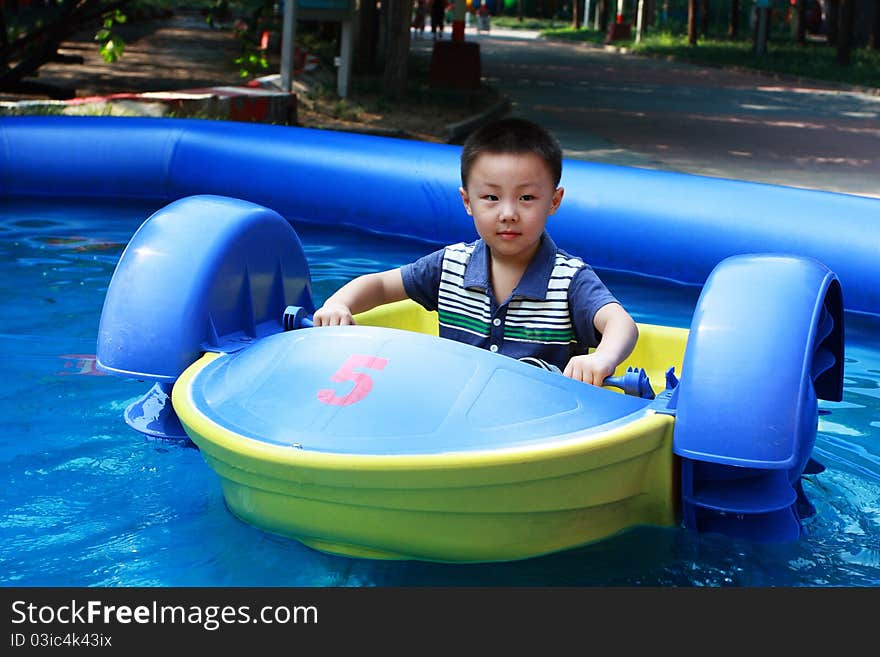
549, 314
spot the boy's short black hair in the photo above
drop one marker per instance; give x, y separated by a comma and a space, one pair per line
512, 135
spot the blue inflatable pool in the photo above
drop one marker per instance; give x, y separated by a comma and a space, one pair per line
658, 223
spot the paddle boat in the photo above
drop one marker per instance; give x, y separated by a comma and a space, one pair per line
214, 277
382, 440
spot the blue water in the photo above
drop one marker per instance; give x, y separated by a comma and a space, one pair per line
86, 501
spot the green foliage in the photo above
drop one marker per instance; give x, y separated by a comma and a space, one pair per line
813, 60
559, 10
247, 19
112, 45
571, 34
528, 23
252, 61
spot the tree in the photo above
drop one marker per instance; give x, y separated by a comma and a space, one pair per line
692, 22
733, 28
846, 24
762, 29
368, 37
832, 20
397, 53
603, 15
874, 42
577, 14
799, 22
704, 23
39, 33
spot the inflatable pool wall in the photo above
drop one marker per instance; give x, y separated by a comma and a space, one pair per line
652, 222
741, 454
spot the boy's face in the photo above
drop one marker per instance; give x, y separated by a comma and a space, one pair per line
510, 196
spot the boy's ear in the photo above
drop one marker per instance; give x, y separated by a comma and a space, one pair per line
557, 199
465, 199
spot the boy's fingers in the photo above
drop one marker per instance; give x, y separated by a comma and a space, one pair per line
332, 318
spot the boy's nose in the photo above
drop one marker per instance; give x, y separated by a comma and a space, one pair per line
507, 212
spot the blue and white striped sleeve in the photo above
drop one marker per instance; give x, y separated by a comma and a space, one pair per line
421, 279
586, 294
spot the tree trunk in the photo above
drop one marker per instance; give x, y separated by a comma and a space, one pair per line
4, 40
874, 42
733, 27
799, 22
692, 22
833, 20
397, 55
762, 30
845, 32
368, 37
577, 17
603, 15
704, 23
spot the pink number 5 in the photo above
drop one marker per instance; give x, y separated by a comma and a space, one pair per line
363, 383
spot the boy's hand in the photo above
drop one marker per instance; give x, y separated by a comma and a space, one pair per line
333, 314
590, 368
359, 295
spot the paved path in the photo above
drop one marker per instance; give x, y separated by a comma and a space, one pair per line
626, 109
181, 52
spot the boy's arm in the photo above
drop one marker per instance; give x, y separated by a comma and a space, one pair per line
362, 293
619, 334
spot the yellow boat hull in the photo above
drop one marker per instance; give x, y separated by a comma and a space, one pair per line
468, 506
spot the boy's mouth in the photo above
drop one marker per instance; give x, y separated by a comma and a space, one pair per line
507, 234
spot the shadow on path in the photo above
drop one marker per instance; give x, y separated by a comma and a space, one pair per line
606, 106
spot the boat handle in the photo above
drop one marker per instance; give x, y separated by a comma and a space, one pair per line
296, 317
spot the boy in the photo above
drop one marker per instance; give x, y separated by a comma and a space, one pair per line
512, 291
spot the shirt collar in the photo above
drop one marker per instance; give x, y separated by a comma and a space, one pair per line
533, 284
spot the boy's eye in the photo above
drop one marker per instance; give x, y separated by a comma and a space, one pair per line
490, 197
527, 197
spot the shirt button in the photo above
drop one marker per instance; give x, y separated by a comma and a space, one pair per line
496, 322
493, 348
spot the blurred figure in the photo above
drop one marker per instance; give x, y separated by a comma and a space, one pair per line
419, 14
483, 18
438, 8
